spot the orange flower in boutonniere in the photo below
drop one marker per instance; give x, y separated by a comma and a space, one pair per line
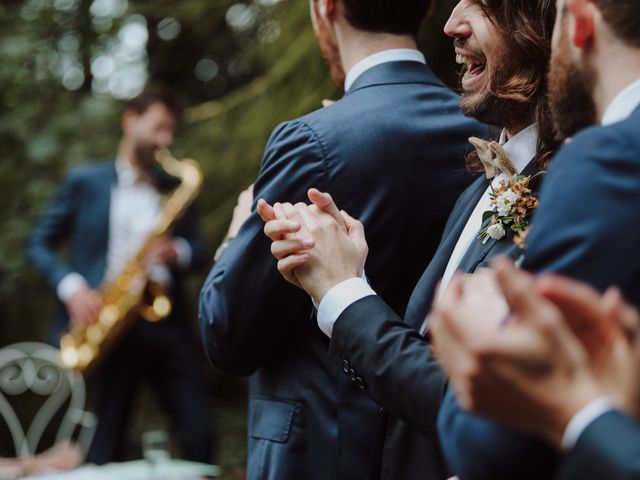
512, 204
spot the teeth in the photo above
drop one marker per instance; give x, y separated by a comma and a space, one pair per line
460, 60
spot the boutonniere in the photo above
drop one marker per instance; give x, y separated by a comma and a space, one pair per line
512, 204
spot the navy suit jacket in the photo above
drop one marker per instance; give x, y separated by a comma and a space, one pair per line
79, 216
395, 361
390, 150
587, 228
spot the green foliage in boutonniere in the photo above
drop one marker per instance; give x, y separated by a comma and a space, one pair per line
512, 205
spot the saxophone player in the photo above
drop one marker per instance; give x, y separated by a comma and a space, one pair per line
105, 212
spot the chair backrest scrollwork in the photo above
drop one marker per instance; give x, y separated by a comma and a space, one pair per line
35, 368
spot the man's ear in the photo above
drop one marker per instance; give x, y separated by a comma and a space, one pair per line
582, 22
326, 8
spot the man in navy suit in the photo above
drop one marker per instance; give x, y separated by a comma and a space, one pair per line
586, 228
393, 145
105, 211
390, 355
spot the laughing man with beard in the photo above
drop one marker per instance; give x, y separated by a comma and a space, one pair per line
586, 229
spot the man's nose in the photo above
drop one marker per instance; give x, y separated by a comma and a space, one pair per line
457, 26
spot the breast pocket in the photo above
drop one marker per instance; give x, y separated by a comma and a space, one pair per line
275, 440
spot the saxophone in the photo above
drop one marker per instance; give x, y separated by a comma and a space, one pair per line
132, 293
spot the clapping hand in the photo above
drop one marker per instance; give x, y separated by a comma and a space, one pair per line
536, 372
317, 246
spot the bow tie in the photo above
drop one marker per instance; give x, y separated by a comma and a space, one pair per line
493, 157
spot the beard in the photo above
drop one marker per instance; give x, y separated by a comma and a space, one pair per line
331, 54
571, 89
490, 107
493, 110
145, 156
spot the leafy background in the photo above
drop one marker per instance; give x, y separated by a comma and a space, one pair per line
241, 67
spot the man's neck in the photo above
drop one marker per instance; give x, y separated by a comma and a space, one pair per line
512, 131
616, 71
355, 46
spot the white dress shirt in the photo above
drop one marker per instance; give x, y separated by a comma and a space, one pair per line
135, 205
386, 56
521, 150
622, 106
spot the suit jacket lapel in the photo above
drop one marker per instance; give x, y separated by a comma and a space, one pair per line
478, 251
420, 302
105, 187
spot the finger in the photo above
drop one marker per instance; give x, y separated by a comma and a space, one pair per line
582, 306
453, 293
325, 202
443, 323
84, 314
277, 229
280, 211
291, 278
289, 264
266, 211
572, 297
356, 231
308, 218
518, 288
624, 315
284, 248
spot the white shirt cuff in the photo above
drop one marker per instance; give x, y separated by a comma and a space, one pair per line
69, 286
183, 252
581, 421
338, 299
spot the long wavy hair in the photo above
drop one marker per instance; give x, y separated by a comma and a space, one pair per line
527, 26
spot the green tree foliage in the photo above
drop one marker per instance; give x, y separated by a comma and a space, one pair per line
242, 66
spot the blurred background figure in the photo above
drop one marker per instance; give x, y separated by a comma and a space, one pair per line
241, 67
107, 211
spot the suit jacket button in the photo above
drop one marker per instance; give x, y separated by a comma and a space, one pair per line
360, 383
346, 366
352, 374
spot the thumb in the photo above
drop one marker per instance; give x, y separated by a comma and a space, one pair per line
355, 230
325, 202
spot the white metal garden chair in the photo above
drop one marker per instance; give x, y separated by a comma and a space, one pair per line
34, 368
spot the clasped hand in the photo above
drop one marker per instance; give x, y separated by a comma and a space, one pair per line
317, 246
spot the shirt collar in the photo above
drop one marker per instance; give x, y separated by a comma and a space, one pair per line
623, 105
386, 56
521, 148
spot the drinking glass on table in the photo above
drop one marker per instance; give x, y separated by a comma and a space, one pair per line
155, 449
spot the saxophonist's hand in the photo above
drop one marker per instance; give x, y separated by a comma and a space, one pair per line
84, 307
163, 252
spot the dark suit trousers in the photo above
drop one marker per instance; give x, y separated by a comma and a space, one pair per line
165, 355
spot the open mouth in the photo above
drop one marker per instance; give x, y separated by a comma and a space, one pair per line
475, 67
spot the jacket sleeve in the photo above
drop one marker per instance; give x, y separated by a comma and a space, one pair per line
52, 228
583, 229
393, 361
608, 448
477, 449
246, 308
